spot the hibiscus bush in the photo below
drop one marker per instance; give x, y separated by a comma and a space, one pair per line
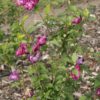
48, 54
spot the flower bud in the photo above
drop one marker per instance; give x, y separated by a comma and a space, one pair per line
77, 20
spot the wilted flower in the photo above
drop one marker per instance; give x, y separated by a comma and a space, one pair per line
29, 93
34, 59
80, 60
98, 92
22, 49
14, 75
77, 20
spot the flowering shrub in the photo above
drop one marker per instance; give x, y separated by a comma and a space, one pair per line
51, 55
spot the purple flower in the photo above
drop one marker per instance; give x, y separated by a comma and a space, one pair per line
36, 47
75, 77
77, 67
34, 59
36, 1
27, 4
42, 40
77, 20
20, 2
14, 75
23, 45
98, 92
19, 52
80, 60
22, 49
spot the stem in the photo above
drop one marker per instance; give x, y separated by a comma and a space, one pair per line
23, 29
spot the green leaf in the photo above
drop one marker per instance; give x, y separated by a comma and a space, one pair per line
86, 12
73, 8
31, 70
20, 36
83, 98
75, 72
69, 97
24, 19
97, 83
47, 9
74, 57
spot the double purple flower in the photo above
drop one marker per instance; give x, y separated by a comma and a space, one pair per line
27, 4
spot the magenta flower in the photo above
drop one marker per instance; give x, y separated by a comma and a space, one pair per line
77, 20
22, 49
75, 77
42, 40
27, 4
23, 45
14, 75
98, 92
19, 52
36, 47
36, 1
80, 60
34, 59
77, 67
20, 2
